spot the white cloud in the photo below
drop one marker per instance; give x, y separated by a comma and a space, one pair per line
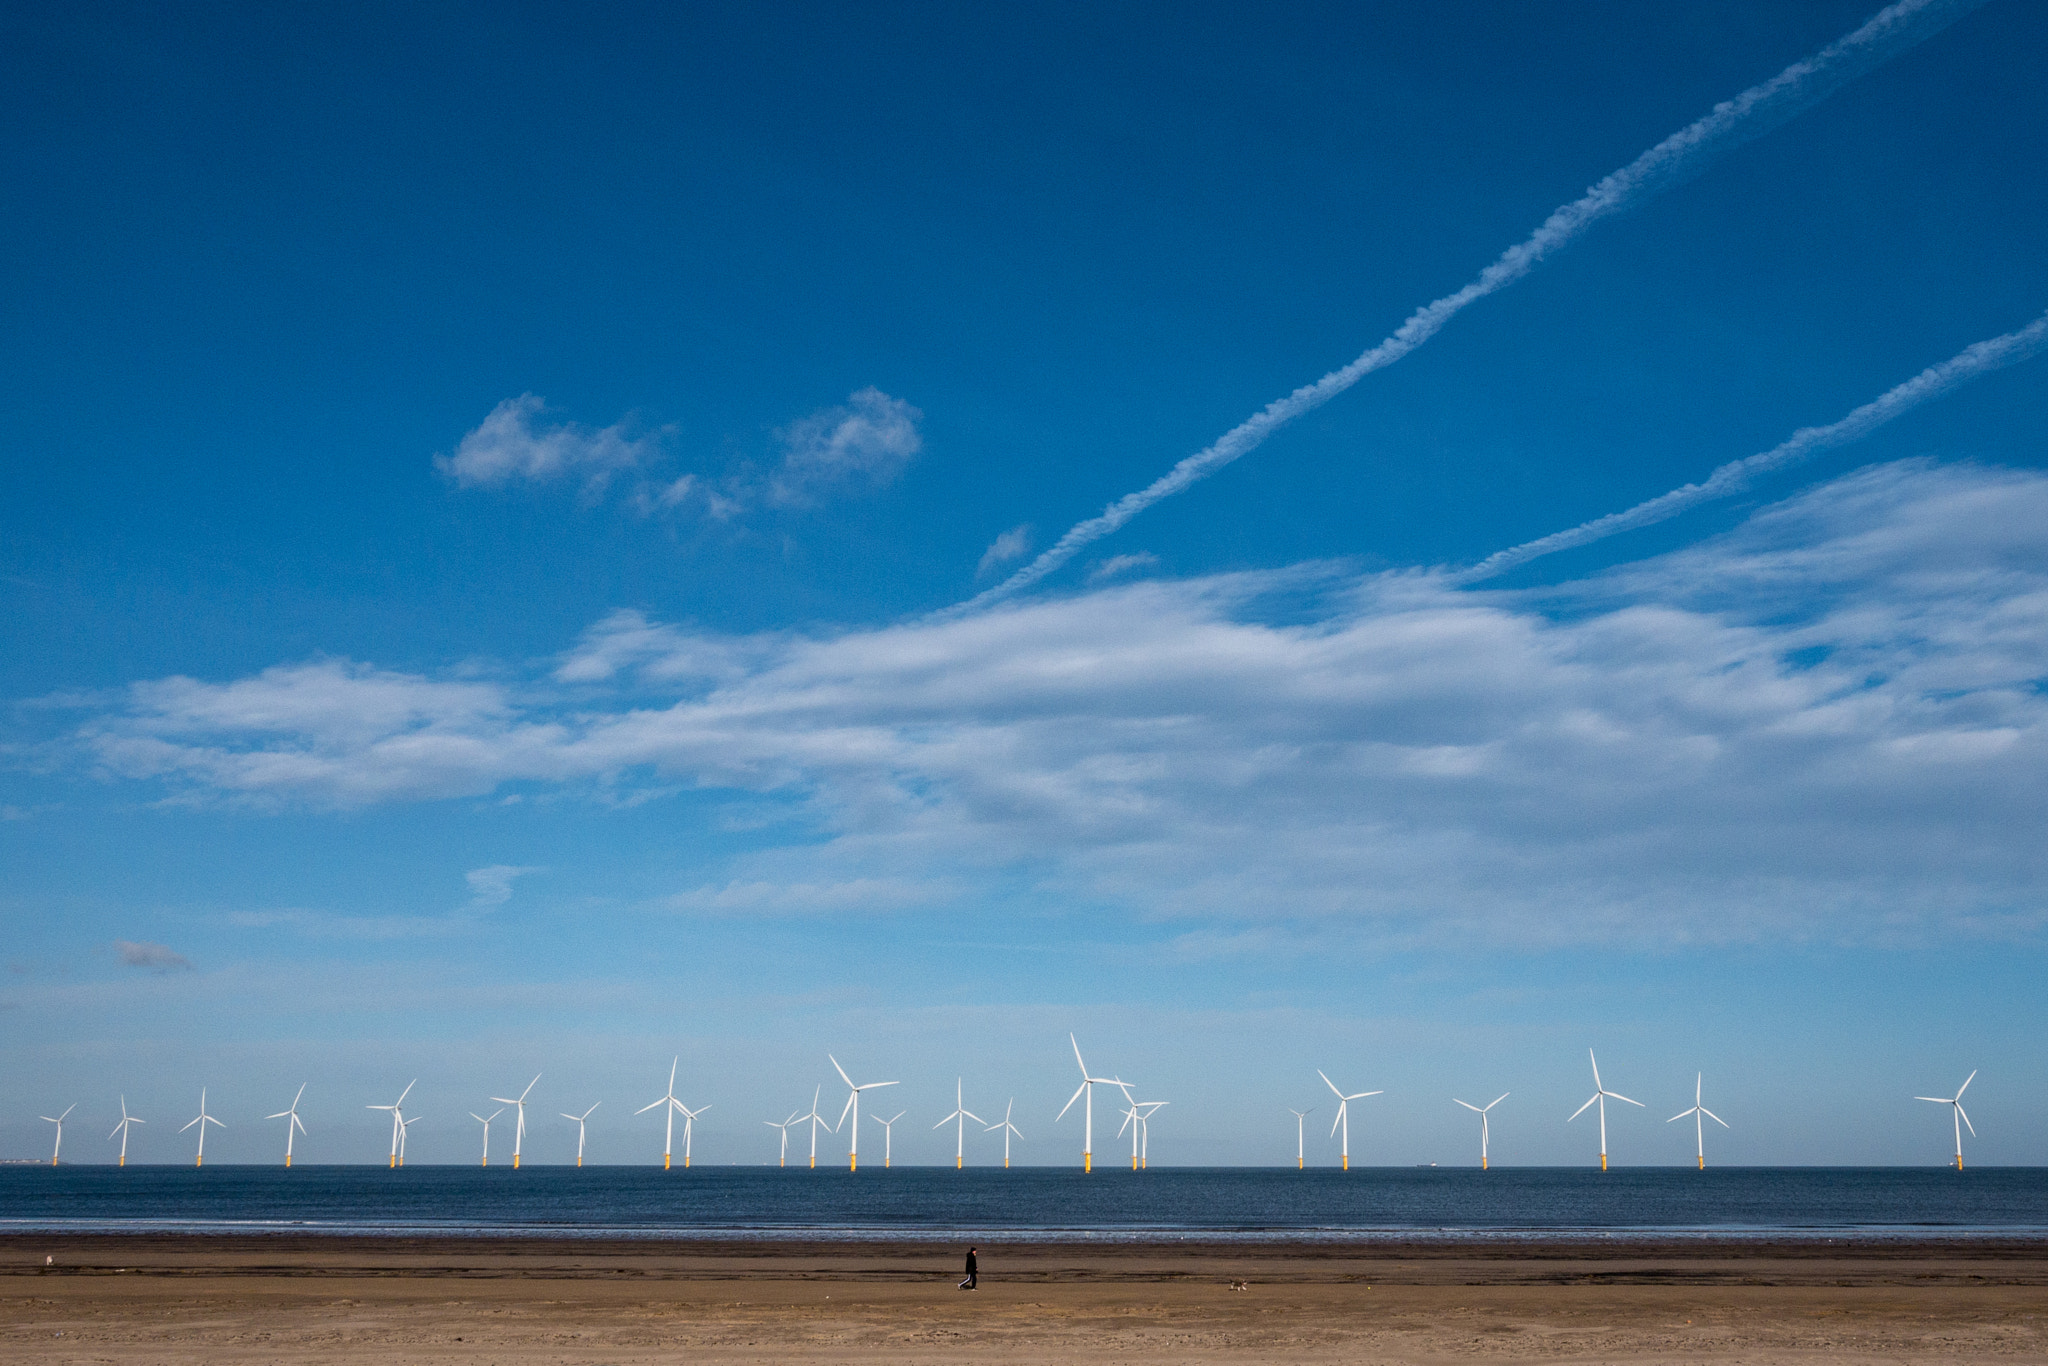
868, 441
511, 445
492, 886
1011, 545
1828, 722
1122, 564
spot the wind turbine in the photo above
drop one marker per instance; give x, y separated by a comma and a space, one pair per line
853, 1108
293, 1124
782, 1158
58, 1120
1087, 1087
486, 1122
668, 1144
1480, 1110
1601, 1094
1300, 1123
888, 1132
122, 1129
404, 1129
1343, 1119
586, 1115
1008, 1129
958, 1119
1699, 1124
397, 1117
815, 1120
519, 1127
1138, 1119
689, 1120
1961, 1119
205, 1119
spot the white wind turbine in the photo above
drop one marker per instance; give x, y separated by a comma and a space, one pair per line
689, 1123
1480, 1110
782, 1158
485, 1120
397, 1117
888, 1132
1087, 1087
1139, 1120
579, 1120
815, 1120
1601, 1095
1699, 1125
122, 1129
519, 1124
1008, 1129
202, 1121
668, 1143
958, 1119
852, 1108
293, 1124
404, 1129
1300, 1124
1956, 1102
1343, 1119
58, 1120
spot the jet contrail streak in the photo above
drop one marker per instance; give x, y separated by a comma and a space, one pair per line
1803, 444
1685, 153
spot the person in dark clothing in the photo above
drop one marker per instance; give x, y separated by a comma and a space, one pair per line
969, 1283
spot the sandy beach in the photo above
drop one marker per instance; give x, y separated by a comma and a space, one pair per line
177, 1299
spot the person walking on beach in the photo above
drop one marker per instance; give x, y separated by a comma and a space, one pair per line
969, 1284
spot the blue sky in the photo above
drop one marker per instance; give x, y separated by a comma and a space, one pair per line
486, 488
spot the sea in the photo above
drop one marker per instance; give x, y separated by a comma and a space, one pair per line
1035, 1204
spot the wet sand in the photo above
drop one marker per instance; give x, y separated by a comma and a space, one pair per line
182, 1300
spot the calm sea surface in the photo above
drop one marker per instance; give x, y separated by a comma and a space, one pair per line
1045, 1204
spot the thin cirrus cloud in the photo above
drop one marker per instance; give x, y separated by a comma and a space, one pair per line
1678, 158
865, 443
156, 957
1825, 722
1013, 544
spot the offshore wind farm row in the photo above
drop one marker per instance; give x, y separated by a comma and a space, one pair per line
1136, 1116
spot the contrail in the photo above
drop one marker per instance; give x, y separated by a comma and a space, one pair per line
1677, 158
1803, 444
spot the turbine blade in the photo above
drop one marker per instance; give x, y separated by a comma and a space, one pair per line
976, 1118
1596, 1066
1616, 1095
843, 1113
1077, 1056
1966, 1083
1070, 1102
1468, 1105
1331, 1084
1498, 1099
1966, 1121
1716, 1118
1583, 1108
841, 1071
643, 1109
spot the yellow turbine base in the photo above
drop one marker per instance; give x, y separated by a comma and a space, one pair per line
1603, 1162
686, 1159
1482, 1164
287, 1160
515, 1162
666, 1160
123, 1162
957, 1161
200, 1161
394, 1161
579, 1159
1959, 1161
1347, 1162
1134, 1164
1703, 1161
486, 1162
1299, 1164
814, 1163
1087, 1162
853, 1162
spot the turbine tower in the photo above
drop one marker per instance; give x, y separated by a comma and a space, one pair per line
852, 1108
1300, 1125
888, 1132
668, 1144
293, 1124
1956, 1101
397, 1117
202, 1121
122, 1129
782, 1158
519, 1124
1699, 1125
1008, 1129
579, 1128
958, 1119
1480, 1110
815, 1120
1601, 1094
485, 1120
58, 1120
1087, 1088
1343, 1119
